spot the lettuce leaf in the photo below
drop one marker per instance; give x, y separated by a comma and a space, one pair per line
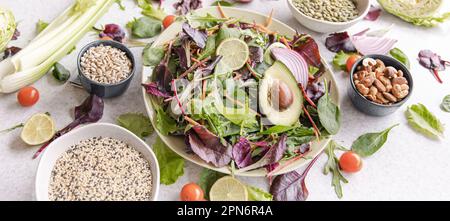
422, 120
257, 194
137, 123
171, 165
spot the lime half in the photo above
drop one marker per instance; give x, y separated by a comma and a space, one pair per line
235, 53
39, 129
228, 189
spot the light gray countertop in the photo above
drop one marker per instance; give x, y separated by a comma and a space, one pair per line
408, 167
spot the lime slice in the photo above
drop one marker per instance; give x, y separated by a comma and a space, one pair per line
38, 129
228, 189
235, 53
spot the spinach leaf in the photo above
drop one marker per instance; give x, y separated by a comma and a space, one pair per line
332, 166
152, 56
445, 105
137, 123
207, 21
400, 56
329, 114
422, 120
277, 129
60, 72
171, 165
225, 33
210, 48
257, 194
207, 179
368, 144
145, 27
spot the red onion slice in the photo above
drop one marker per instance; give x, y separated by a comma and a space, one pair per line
373, 45
294, 62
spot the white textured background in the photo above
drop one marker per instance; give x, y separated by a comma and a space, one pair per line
408, 167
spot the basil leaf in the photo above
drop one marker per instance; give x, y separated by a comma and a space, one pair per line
329, 114
145, 27
332, 166
257, 194
399, 55
368, 144
60, 72
152, 56
445, 105
171, 165
207, 179
422, 120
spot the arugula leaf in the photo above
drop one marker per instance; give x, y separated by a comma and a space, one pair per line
368, 144
340, 60
41, 25
399, 55
445, 105
152, 56
257, 194
137, 123
332, 166
206, 21
329, 114
207, 179
145, 27
12, 128
422, 120
171, 165
164, 123
210, 48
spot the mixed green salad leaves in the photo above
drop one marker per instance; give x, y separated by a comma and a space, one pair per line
208, 83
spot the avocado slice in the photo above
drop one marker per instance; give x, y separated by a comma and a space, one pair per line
280, 99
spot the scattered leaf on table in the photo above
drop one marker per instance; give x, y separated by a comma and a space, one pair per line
332, 166
340, 60
60, 72
400, 56
137, 123
145, 27
257, 194
368, 144
422, 120
171, 165
207, 179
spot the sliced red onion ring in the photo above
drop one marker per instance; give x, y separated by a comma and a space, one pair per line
294, 62
372, 45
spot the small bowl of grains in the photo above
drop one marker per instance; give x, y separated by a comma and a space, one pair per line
325, 16
106, 68
98, 162
379, 85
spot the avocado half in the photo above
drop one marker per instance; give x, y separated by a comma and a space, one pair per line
290, 115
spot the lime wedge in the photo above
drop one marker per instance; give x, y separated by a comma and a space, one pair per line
235, 53
39, 129
228, 189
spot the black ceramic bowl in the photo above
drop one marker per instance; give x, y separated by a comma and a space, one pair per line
370, 107
100, 89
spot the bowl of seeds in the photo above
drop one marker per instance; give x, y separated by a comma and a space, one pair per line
326, 16
379, 85
106, 68
98, 162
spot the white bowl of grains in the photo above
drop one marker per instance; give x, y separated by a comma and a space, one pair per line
98, 162
327, 16
106, 68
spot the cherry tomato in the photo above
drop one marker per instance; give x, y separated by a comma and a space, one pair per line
28, 96
168, 20
351, 61
191, 192
350, 162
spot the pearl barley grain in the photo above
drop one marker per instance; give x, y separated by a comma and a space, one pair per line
106, 64
99, 169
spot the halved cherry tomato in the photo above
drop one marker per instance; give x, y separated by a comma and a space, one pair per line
351, 61
28, 96
168, 20
350, 162
191, 192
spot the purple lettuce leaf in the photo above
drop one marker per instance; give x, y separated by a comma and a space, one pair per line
11, 51
16, 34
208, 146
162, 72
307, 47
210, 67
374, 13
184, 6
431, 60
113, 31
273, 155
181, 53
242, 153
291, 186
90, 111
315, 90
256, 54
339, 41
198, 36
153, 89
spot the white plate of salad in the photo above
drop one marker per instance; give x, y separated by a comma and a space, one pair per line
239, 92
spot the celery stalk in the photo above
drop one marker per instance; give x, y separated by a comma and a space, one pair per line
13, 82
